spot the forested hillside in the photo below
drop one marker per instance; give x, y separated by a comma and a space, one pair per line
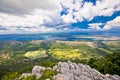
18, 57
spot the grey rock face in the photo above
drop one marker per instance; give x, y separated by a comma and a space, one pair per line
73, 71
25, 75
37, 71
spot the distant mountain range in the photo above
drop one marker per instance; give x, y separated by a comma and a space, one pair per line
69, 36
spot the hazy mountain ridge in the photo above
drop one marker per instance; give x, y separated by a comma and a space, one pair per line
100, 36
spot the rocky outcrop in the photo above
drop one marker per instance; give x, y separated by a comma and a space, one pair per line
24, 75
72, 71
37, 71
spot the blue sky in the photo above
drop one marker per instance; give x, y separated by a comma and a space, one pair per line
97, 19
36, 16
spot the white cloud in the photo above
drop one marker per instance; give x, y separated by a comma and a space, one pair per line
34, 19
88, 11
115, 23
68, 18
95, 26
29, 15
24, 6
24, 30
107, 7
18, 16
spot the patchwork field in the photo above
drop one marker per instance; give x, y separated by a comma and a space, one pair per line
65, 53
35, 54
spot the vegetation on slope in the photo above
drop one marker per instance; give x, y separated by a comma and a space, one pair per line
109, 64
105, 57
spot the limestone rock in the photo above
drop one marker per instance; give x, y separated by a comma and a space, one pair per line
37, 69
73, 71
25, 75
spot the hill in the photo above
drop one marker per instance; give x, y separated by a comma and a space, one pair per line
49, 53
16, 50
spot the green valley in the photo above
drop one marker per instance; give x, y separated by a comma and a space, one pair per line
20, 56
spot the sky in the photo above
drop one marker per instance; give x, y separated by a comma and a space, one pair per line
44, 16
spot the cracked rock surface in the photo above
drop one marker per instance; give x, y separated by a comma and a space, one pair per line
73, 71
